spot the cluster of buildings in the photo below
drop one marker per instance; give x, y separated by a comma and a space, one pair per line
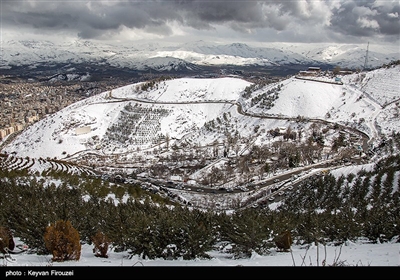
316, 74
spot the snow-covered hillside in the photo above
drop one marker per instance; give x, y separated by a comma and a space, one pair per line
306, 98
382, 85
381, 90
56, 135
203, 53
188, 90
184, 109
184, 56
344, 55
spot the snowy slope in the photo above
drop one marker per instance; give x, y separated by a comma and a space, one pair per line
352, 254
204, 53
373, 83
344, 55
381, 89
181, 108
180, 56
306, 98
46, 136
56, 134
190, 90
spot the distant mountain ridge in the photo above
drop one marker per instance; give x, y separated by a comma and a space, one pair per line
187, 56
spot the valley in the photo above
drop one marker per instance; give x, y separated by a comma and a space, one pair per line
221, 143
198, 133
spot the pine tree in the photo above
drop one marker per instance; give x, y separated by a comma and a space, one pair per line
247, 231
198, 235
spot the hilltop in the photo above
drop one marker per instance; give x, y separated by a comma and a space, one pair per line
183, 108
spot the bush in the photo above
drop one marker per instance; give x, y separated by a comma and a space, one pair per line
6, 240
283, 241
101, 243
63, 241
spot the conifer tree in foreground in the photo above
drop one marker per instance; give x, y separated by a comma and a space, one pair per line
63, 241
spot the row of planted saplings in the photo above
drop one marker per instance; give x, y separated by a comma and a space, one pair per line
62, 240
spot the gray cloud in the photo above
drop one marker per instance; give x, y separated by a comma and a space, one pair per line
367, 18
332, 20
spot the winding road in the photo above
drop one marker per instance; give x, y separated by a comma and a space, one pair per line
366, 140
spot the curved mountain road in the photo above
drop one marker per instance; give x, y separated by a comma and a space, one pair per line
366, 138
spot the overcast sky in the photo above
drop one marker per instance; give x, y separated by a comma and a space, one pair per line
244, 21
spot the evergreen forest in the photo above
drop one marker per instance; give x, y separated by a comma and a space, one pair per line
323, 209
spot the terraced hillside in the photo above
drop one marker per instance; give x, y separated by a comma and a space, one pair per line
137, 125
11, 162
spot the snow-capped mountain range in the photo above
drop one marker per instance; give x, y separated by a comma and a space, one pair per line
187, 56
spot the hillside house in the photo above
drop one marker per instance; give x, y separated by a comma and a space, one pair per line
82, 130
311, 71
314, 69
